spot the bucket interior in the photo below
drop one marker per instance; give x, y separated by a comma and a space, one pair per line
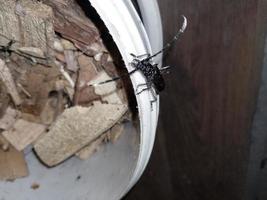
103, 176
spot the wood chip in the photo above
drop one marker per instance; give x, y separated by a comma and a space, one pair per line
58, 46
53, 107
9, 118
32, 51
48, 114
24, 90
74, 129
87, 71
4, 144
98, 56
23, 133
73, 24
108, 91
29, 23
67, 45
12, 165
4, 99
109, 94
86, 152
60, 57
70, 60
111, 135
30, 118
7, 79
115, 132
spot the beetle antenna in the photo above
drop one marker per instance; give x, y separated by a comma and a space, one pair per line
174, 39
113, 79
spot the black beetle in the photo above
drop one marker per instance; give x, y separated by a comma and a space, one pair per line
152, 72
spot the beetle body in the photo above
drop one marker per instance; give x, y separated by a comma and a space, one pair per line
151, 73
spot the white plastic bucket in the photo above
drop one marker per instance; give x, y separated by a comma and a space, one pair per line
111, 172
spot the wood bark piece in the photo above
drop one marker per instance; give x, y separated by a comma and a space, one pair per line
72, 23
9, 118
23, 133
12, 165
87, 71
39, 81
7, 79
28, 22
74, 129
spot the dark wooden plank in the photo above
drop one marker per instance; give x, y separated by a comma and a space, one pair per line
207, 108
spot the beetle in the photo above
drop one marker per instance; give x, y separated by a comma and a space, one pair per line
152, 73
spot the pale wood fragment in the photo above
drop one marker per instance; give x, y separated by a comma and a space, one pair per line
115, 132
58, 46
9, 118
108, 91
54, 105
109, 94
4, 144
98, 56
86, 152
111, 135
87, 71
32, 51
23, 133
70, 60
12, 165
48, 113
7, 79
67, 45
30, 118
74, 129
65, 74
24, 90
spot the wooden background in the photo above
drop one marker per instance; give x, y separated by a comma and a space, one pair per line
202, 145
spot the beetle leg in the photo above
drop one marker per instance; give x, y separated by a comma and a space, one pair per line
154, 98
113, 79
134, 62
140, 56
148, 86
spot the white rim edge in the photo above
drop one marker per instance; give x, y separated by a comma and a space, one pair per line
152, 21
130, 36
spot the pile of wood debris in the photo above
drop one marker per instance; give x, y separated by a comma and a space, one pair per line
50, 53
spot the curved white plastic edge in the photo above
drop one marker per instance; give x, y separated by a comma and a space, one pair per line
130, 36
152, 21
